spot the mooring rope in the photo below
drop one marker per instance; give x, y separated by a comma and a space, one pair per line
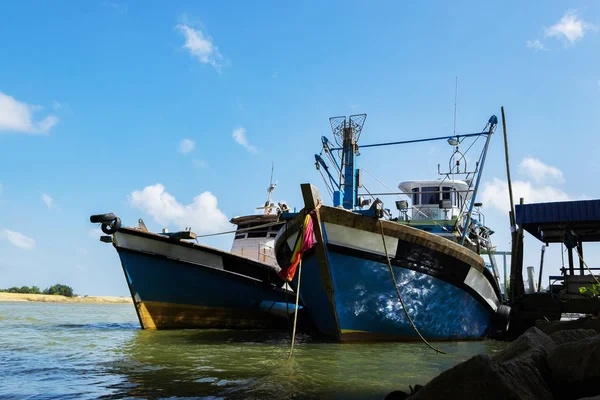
296, 310
387, 257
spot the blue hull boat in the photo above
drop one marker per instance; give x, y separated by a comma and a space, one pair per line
176, 283
373, 277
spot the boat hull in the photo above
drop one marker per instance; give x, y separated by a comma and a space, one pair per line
177, 284
347, 288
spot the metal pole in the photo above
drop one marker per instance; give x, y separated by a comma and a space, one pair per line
541, 268
580, 251
474, 195
505, 278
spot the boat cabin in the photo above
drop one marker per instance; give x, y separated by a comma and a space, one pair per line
434, 199
254, 240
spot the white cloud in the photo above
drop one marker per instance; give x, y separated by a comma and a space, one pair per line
119, 8
535, 45
495, 194
56, 105
540, 172
199, 163
17, 117
201, 46
49, 201
18, 239
239, 135
202, 214
186, 146
570, 27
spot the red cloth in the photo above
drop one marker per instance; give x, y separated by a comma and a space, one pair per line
305, 241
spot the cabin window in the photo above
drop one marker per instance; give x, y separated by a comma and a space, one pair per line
240, 236
446, 192
258, 233
415, 196
429, 195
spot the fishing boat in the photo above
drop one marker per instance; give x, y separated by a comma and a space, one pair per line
175, 282
366, 275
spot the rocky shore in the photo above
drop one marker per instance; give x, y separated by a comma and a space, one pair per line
53, 298
552, 360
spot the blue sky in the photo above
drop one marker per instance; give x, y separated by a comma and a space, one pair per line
173, 112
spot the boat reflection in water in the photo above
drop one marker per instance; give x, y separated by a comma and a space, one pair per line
237, 364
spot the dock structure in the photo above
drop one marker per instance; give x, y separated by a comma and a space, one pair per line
571, 223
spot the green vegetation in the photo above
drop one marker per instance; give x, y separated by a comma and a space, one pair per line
593, 291
63, 290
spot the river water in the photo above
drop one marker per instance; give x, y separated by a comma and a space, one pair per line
62, 350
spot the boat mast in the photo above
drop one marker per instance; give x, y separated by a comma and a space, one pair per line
492, 123
347, 132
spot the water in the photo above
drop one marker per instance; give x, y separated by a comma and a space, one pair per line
98, 351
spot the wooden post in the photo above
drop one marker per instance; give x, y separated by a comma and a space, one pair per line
310, 195
510, 193
517, 288
571, 266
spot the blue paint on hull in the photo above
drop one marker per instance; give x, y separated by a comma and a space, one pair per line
366, 301
312, 292
159, 279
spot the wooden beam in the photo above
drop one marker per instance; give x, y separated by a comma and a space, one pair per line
311, 197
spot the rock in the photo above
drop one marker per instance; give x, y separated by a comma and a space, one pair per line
531, 347
484, 378
396, 395
575, 368
582, 323
567, 336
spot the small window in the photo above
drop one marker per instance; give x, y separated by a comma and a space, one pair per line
259, 233
415, 196
429, 195
446, 192
273, 234
240, 236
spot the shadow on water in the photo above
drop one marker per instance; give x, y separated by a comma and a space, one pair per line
101, 326
222, 364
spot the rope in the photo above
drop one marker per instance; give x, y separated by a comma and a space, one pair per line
296, 310
240, 230
585, 264
387, 257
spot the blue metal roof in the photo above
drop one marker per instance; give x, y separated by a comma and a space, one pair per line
563, 211
550, 222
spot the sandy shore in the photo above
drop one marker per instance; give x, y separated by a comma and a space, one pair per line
62, 299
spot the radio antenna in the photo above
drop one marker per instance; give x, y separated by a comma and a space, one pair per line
455, 97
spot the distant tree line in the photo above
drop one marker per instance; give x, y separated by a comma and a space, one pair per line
62, 290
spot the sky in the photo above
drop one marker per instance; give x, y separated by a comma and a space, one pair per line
175, 111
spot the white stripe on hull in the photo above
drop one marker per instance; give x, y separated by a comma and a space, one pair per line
171, 250
476, 281
360, 240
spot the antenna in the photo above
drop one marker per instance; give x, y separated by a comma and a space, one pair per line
455, 97
268, 205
